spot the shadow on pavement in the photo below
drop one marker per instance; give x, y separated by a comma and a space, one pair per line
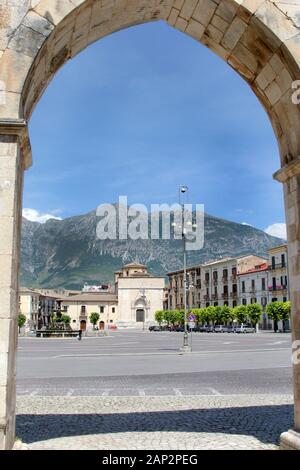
265, 423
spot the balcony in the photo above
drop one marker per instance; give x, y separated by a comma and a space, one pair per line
214, 296
215, 282
272, 267
225, 279
206, 297
206, 282
233, 278
277, 288
225, 295
233, 294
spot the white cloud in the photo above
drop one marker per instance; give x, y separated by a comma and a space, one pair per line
277, 230
35, 216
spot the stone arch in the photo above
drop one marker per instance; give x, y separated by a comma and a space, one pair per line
260, 39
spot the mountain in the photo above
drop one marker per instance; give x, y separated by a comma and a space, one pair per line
66, 253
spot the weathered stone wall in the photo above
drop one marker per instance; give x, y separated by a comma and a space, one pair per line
260, 39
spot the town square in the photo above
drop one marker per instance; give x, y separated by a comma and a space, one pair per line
149, 227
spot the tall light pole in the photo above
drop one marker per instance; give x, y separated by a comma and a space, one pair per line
185, 347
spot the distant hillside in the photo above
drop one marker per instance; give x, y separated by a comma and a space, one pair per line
67, 253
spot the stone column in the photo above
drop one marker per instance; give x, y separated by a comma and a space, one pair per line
290, 177
13, 144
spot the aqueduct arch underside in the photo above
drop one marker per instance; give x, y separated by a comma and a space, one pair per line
260, 39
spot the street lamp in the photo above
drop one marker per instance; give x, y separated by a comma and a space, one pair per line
185, 347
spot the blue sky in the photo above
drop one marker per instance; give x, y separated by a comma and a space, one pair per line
141, 112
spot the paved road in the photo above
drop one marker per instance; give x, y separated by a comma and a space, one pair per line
136, 363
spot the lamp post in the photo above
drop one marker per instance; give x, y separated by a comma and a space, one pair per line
185, 347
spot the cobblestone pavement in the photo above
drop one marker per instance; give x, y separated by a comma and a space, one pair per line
167, 423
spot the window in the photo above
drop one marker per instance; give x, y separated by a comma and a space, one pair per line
234, 303
244, 301
216, 291
215, 275
253, 300
83, 309
216, 304
252, 285
264, 301
225, 273
101, 309
283, 261
113, 309
273, 262
234, 288
284, 299
74, 321
226, 303
263, 283
207, 304
234, 272
243, 287
274, 283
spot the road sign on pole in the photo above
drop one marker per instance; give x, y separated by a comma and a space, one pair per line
192, 317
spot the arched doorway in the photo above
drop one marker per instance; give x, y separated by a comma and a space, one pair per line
83, 325
140, 315
101, 325
260, 40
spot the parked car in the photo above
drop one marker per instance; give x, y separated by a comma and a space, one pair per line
231, 329
206, 329
154, 328
220, 328
245, 329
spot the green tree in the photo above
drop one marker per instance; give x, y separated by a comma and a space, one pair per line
209, 315
66, 319
227, 314
219, 317
275, 311
240, 312
94, 318
254, 312
21, 320
159, 316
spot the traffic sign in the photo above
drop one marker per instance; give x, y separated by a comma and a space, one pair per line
192, 317
191, 325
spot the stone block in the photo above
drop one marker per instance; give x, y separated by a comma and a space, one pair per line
188, 8
54, 10
234, 33
173, 16
195, 29
204, 11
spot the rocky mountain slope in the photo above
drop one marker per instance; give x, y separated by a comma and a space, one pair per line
67, 252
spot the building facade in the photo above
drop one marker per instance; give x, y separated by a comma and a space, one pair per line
139, 294
278, 284
233, 281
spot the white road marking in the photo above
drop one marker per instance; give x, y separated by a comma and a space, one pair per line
177, 392
34, 393
70, 392
214, 391
142, 393
105, 393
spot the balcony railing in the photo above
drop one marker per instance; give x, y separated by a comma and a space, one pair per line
277, 288
277, 266
206, 297
225, 279
233, 294
225, 295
